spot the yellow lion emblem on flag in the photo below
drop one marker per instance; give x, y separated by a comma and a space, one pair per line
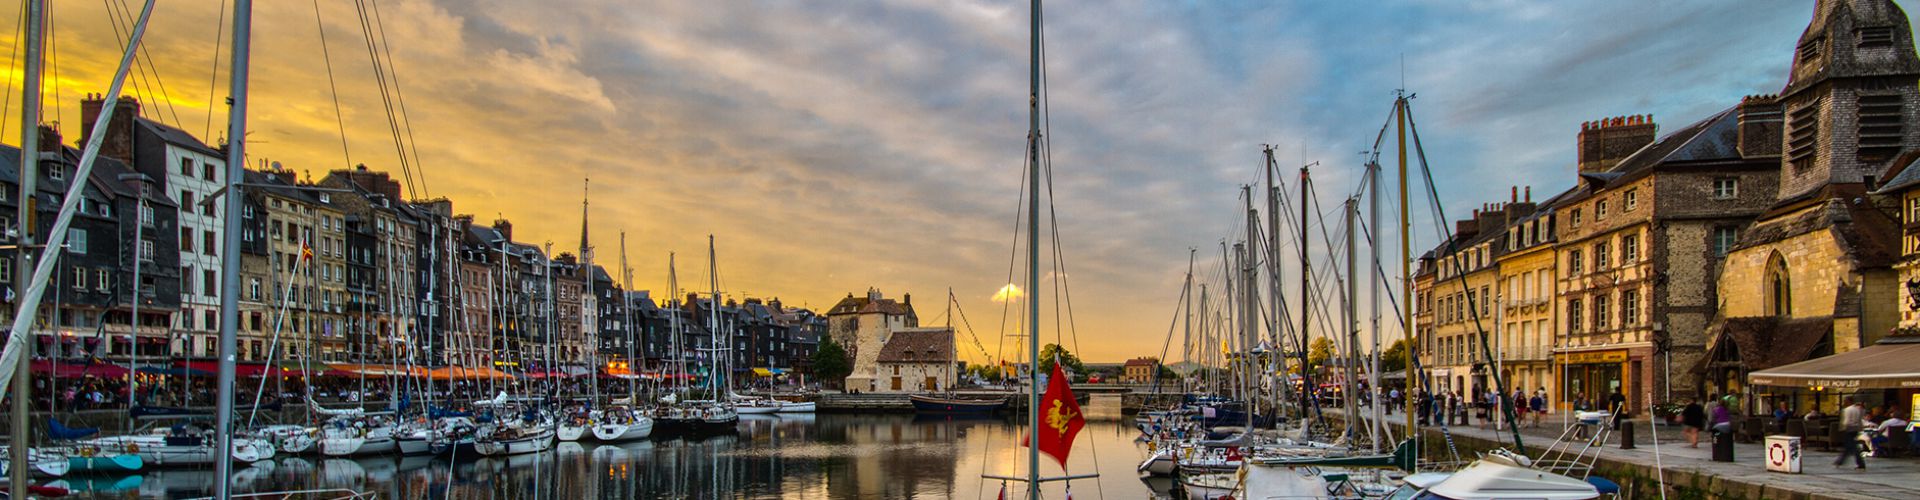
1059, 416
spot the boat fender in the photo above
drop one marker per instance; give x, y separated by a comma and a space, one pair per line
133, 447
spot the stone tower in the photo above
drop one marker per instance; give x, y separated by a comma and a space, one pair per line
1851, 98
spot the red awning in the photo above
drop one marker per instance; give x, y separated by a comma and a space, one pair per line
73, 370
248, 370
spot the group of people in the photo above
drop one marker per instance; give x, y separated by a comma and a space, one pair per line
1877, 426
1716, 413
1450, 406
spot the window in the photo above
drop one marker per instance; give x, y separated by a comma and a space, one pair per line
77, 240
1575, 217
1600, 210
253, 288
103, 280
186, 166
210, 206
1485, 302
1629, 249
186, 239
1600, 261
1629, 308
1629, 200
1600, 310
146, 215
146, 250
1877, 36
1779, 287
1574, 309
212, 243
57, 173
206, 171
210, 282
1880, 130
186, 201
79, 278
1574, 264
1723, 239
6, 269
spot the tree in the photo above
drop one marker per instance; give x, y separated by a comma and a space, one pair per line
1320, 351
830, 362
1395, 358
1167, 376
1072, 362
989, 373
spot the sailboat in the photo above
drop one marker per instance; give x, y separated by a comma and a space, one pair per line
719, 415
621, 422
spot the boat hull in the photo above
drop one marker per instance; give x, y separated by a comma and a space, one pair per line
929, 404
614, 433
114, 463
790, 407
570, 432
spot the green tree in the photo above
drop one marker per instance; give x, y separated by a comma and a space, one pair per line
830, 363
1167, 376
1319, 352
1395, 357
1054, 351
985, 372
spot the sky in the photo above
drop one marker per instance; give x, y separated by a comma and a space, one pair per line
833, 147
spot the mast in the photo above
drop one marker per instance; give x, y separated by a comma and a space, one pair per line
1250, 303
1406, 270
1273, 263
230, 275
626, 321
1186, 335
29, 177
713, 273
1352, 311
1373, 299
679, 354
1306, 298
589, 316
1033, 256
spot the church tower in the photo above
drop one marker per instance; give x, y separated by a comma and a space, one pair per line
1851, 102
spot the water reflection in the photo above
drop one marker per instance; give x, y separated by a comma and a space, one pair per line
785, 456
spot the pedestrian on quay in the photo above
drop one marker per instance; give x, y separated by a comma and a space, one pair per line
1693, 418
1852, 420
1539, 405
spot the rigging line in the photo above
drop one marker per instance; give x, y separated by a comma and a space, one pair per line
326, 56
13, 56
219, 31
393, 71
970, 331
1392, 302
1171, 327
1013, 257
386, 98
141, 88
166, 99
53, 62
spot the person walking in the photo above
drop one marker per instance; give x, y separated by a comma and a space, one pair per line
1539, 406
1852, 420
1693, 418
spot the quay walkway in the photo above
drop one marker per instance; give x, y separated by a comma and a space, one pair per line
1691, 471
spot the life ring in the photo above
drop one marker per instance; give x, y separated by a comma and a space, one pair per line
133, 447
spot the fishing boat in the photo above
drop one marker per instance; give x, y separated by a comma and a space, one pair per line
621, 423
937, 404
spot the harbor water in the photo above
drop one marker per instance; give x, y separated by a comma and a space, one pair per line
784, 456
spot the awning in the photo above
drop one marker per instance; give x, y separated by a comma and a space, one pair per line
351, 369
778, 371
248, 370
464, 373
73, 370
762, 372
1886, 365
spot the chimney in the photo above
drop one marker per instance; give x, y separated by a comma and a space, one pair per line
50, 137
118, 142
1516, 194
1529, 193
1605, 142
1761, 121
775, 305
504, 227
873, 294
906, 299
1467, 228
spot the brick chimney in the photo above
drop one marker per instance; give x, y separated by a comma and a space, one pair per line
118, 142
503, 227
1603, 143
1761, 121
50, 138
376, 181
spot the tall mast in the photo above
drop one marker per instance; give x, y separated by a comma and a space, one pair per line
1186, 335
230, 272
1406, 268
1373, 297
1033, 256
679, 354
1306, 296
626, 322
588, 316
713, 273
1273, 262
1250, 303
29, 177
1352, 312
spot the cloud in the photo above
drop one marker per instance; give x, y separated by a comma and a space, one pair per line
1008, 293
836, 146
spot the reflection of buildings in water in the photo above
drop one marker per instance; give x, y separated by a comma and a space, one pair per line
895, 457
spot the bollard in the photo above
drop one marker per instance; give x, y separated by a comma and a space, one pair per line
1723, 447
1626, 435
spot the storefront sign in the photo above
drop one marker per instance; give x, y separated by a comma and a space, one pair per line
1594, 357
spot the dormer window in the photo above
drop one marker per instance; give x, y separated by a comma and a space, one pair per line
1810, 50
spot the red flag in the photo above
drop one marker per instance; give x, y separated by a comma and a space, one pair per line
1060, 418
306, 251
1003, 491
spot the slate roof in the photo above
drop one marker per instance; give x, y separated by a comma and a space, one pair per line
176, 136
862, 305
928, 345
1868, 234
1767, 342
1715, 138
1908, 176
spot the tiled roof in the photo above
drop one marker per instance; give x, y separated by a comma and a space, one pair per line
862, 305
929, 345
1767, 342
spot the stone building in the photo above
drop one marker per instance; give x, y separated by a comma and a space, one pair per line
1526, 296
1815, 274
1465, 272
915, 360
382, 309
293, 269
862, 326
1139, 370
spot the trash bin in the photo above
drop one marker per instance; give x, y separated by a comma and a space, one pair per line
1783, 454
1723, 447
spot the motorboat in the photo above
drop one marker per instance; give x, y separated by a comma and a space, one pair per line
757, 406
529, 434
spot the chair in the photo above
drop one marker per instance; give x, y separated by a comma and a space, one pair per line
1753, 429
1797, 428
1818, 433
1899, 443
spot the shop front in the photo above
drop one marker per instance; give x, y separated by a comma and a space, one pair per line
1588, 377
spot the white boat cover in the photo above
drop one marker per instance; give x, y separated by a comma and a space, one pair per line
1500, 480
